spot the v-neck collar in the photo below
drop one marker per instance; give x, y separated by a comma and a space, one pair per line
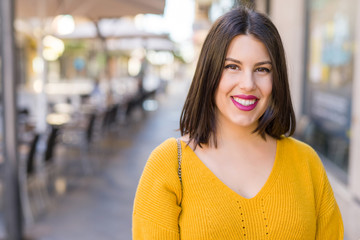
275, 172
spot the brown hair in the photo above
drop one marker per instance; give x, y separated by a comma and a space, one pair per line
198, 117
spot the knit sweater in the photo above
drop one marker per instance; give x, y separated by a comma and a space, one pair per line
296, 202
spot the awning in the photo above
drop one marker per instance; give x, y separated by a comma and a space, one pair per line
92, 9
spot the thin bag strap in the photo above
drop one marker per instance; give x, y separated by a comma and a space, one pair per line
179, 159
179, 174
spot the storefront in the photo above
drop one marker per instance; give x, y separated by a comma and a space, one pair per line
321, 44
329, 78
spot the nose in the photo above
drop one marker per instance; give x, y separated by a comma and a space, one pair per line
247, 81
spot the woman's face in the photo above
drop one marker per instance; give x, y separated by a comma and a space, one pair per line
245, 87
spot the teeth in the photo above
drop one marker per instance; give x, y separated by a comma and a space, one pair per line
245, 102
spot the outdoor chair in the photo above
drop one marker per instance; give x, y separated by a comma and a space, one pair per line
50, 167
80, 137
34, 194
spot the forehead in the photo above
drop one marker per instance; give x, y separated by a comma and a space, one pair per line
247, 47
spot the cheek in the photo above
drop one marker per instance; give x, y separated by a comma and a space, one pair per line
267, 87
218, 97
226, 83
221, 93
221, 89
268, 93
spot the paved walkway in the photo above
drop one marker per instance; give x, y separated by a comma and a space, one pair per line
100, 207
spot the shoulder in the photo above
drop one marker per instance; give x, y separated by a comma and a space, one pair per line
159, 190
163, 156
161, 167
165, 149
297, 147
301, 154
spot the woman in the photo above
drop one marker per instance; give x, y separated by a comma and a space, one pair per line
241, 177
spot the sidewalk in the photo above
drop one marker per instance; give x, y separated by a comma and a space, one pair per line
101, 207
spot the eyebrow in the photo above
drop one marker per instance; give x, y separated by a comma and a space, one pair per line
239, 62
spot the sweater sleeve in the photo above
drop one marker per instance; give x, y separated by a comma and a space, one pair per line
329, 222
157, 201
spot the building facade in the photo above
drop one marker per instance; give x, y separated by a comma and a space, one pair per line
322, 46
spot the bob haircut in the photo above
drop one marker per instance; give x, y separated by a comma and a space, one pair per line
198, 117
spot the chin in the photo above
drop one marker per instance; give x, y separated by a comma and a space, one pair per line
245, 123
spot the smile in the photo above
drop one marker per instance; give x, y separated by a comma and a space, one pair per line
243, 104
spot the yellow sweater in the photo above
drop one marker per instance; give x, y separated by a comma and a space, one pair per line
296, 202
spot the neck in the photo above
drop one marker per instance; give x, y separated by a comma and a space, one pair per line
231, 135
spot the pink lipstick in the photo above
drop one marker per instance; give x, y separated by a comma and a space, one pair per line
245, 102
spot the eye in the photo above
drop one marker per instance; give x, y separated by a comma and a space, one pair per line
232, 67
263, 69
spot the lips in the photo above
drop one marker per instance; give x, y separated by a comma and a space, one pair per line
245, 102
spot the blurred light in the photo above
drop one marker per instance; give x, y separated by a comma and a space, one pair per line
160, 57
57, 118
53, 42
134, 66
38, 65
139, 21
179, 17
53, 48
150, 105
50, 54
38, 86
187, 52
64, 24
154, 23
60, 185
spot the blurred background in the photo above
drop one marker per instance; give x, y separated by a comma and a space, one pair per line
88, 89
